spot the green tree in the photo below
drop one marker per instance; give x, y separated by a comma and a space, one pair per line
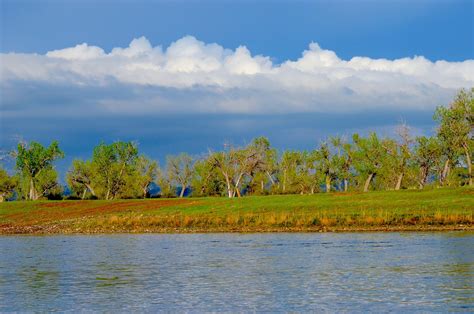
398, 157
326, 165
112, 164
266, 168
456, 130
179, 170
80, 178
234, 165
368, 157
427, 153
7, 184
205, 181
33, 160
146, 173
287, 177
342, 160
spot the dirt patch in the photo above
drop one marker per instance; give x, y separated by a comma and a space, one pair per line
53, 212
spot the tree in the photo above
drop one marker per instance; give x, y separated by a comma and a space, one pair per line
342, 160
399, 155
368, 157
290, 161
456, 130
267, 160
205, 181
427, 153
80, 178
112, 164
179, 170
146, 173
234, 165
34, 159
7, 184
306, 174
326, 165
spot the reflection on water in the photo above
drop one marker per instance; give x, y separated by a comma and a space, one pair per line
239, 272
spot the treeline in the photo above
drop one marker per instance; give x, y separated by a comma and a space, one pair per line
117, 170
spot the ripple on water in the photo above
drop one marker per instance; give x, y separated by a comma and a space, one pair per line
239, 272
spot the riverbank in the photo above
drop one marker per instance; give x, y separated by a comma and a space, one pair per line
413, 210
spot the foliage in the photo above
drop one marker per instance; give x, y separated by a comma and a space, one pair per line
7, 185
34, 163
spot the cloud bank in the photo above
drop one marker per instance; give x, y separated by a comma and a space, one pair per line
191, 76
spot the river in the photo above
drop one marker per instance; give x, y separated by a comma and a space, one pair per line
239, 272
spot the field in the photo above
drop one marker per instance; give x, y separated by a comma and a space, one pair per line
437, 209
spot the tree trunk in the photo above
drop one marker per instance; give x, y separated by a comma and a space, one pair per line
469, 162
345, 185
107, 195
270, 177
237, 184
183, 188
262, 187
84, 193
328, 184
423, 176
284, 181
89, 187
399, 182
445, 173
230, 192
33, 193
367, 182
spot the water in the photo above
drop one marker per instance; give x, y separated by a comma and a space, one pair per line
239, 272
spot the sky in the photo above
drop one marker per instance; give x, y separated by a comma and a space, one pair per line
192, 75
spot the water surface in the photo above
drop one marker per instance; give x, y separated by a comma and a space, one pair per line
239, 272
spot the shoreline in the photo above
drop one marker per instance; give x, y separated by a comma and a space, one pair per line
58, 230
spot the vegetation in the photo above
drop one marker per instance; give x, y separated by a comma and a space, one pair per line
118, 171
428, 209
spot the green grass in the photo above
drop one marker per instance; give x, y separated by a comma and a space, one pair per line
391, 210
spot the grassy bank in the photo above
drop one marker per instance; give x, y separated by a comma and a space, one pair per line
439, 209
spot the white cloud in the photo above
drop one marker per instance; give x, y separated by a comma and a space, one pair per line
79, 52
237, 81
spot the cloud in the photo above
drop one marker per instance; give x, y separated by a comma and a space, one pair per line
193, 76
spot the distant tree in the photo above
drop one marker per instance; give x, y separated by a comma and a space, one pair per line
80, 178
326, 165
456, 130
33, 160
205, 181
111, 165
7, 184
307, 177
427, 153
266, 168
399, 155
146, 173
179, 170
369, 155
342, 160
287, 177
234, 165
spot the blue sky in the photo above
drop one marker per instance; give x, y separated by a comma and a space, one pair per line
191, 75
436, 29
